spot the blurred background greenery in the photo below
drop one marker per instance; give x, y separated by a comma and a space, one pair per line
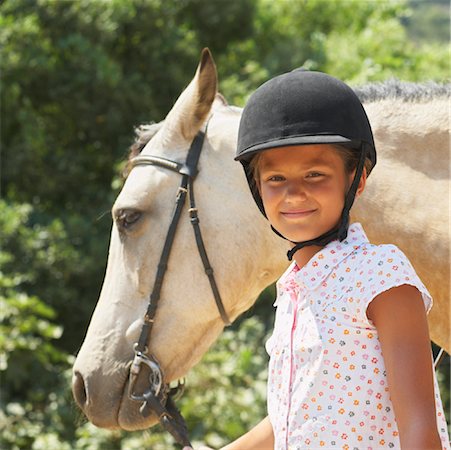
76, 78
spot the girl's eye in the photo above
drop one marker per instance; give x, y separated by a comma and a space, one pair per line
314, 175
276, 178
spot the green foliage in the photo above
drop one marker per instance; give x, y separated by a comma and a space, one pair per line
44, 262
428, 21
405, 60
95, 74
229, 384
44, 424
25, 343
357, 41
30, 362
76, 77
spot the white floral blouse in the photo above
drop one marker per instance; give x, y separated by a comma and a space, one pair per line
327, 385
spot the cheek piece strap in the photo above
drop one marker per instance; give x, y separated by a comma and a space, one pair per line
340, 231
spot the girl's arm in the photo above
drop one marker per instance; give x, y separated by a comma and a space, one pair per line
400, 318
261, 437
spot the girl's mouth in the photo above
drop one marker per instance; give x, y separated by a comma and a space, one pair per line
297, 213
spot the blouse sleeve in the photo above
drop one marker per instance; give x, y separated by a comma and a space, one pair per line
386, 267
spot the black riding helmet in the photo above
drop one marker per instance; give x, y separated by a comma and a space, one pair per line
304, 107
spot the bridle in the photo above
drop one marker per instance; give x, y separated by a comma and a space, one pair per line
159, 397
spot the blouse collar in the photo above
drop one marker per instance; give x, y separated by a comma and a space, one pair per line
324, 261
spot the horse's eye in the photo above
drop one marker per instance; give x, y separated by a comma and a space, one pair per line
125, 218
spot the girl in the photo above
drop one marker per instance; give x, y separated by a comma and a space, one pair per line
350, 359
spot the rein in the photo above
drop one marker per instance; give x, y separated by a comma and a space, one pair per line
158, 398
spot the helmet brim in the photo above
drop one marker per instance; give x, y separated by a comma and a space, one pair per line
248, 153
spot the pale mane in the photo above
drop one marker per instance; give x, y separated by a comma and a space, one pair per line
402, 90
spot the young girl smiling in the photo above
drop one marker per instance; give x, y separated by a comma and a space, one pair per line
350, 357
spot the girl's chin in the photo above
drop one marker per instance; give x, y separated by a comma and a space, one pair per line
301, 237
301, 232
293, 237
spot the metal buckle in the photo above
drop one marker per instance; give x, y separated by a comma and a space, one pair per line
155, 376
181, 191
177, 391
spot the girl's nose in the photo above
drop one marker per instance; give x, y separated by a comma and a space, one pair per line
296, 191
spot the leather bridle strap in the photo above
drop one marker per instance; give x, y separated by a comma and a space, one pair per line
188, 171
157, 398
203, 254
162, 267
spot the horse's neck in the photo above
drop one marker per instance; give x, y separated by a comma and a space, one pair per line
263, 254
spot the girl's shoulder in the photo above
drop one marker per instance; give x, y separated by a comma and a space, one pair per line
383, 261
377, 268
358, 251
381, 255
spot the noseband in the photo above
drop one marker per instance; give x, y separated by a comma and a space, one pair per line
159, 397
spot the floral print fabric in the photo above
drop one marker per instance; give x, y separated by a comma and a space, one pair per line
327, 385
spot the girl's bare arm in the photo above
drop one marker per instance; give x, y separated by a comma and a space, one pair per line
260, 437
400, 318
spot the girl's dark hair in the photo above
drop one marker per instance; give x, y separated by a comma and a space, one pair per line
349, 155
351, 158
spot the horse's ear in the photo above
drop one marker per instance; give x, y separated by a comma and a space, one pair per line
207, 84
194, 104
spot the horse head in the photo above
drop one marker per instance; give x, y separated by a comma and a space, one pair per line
187, 320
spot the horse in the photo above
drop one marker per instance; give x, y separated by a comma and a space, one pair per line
405, 203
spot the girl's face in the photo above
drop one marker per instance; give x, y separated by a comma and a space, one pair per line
303, 189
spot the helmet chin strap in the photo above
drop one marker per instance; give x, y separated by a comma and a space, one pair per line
340, 231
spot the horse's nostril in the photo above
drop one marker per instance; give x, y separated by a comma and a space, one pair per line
79, 390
